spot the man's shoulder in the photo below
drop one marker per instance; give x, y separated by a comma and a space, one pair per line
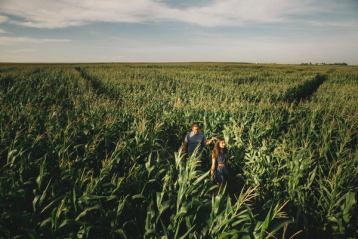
200, 136
191, 134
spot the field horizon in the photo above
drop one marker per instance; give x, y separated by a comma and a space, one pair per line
177, 62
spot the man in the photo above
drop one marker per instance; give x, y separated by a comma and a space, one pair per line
195, 139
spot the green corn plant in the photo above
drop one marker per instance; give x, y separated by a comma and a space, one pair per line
88, 150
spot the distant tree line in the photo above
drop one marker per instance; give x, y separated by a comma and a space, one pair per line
323, 63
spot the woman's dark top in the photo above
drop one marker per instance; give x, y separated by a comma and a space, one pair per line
221, 173
222, 157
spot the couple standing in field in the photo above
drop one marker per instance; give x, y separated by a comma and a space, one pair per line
195, 140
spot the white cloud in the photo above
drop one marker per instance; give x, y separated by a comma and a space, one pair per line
64, 13
344, 24
11, 40
3, 18
23, 50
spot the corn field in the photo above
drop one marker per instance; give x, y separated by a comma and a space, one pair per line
91, 151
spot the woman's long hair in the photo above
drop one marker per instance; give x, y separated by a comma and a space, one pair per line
217, 148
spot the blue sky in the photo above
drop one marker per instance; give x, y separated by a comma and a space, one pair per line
260, 31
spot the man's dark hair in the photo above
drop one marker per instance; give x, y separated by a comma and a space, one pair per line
195, 124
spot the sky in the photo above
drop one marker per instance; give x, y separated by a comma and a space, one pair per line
257, 31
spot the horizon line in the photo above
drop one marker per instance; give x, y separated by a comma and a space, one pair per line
177, 62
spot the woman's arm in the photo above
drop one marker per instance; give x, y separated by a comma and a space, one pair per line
207, 142
213, 162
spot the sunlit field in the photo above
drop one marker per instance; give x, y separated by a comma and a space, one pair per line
91, 151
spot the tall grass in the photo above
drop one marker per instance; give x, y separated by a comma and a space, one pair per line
90, 151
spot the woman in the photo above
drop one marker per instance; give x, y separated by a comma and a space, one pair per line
219, 169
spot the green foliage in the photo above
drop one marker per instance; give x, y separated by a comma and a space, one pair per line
89, 151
